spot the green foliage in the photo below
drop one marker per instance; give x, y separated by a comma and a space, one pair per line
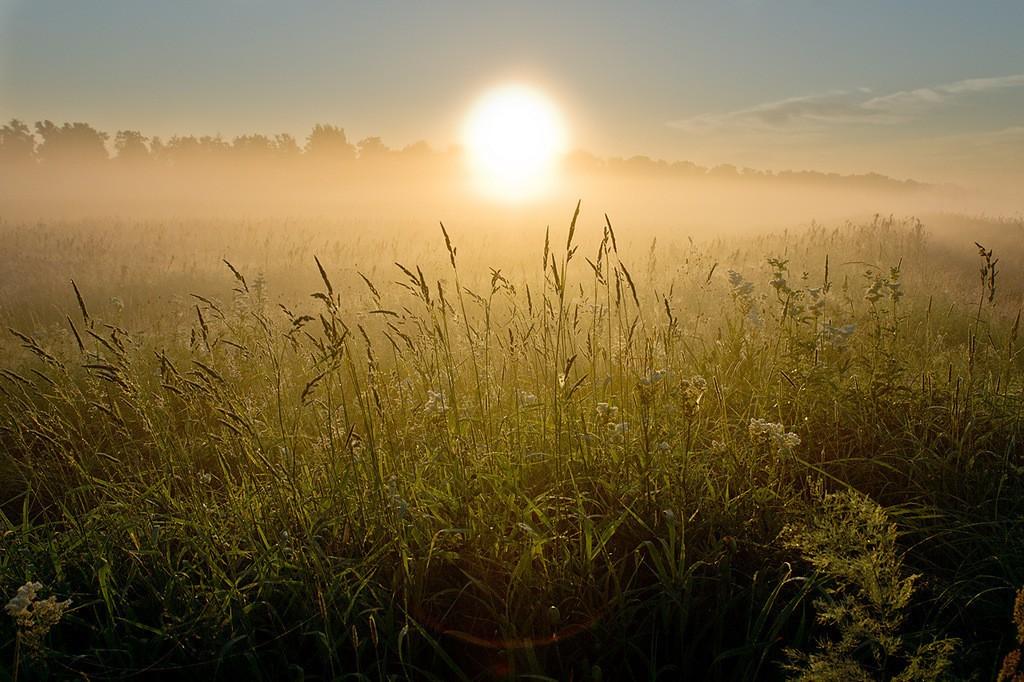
852, 546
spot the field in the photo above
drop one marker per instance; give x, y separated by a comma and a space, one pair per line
592, 452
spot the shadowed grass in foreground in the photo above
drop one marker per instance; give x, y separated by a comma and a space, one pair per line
805, 462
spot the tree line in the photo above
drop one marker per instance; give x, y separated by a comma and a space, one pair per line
46, 142
49, 144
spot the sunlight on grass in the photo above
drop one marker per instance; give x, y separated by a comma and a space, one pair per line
796, 449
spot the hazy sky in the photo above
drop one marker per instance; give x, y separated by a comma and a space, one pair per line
932, 89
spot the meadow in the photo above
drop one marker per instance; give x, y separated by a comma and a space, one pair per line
262, 450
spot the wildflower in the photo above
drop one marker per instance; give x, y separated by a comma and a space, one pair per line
838, 336
741, 288
561, 379
789, 441
761, 429
19, 604
657, 375
692, 394
646, 385
436, 404
772, 434
606, 412
35, 617
205, 477
618, 430
527, 399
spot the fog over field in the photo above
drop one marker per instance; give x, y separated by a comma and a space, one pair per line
585, 341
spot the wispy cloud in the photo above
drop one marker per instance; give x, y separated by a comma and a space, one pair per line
817, 112
1004, 144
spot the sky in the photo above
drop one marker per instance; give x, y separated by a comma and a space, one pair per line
929, 89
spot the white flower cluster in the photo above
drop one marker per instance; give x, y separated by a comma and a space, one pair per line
609, 415
606, 412
693, 392
774, 434
436, 404
741, 287
35, 616
654, 377
646, 386
20, 603
527, 399
838, 336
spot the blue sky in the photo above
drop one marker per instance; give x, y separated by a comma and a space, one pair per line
932, 89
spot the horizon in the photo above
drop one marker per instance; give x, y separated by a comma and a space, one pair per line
156, 144
723, 84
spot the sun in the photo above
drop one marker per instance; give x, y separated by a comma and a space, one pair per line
515, 136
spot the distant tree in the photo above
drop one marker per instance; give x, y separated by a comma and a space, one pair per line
285, 146
328, 143
687, 168
181, 148
583, 162
372, 148
130, 146
157, 149
417, 150
638, 164
252, 147
213, 147
191, 149
17, 143
71, 142
725, 170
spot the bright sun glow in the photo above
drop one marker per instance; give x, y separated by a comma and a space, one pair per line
515, 138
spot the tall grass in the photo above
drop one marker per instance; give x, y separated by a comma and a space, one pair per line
592, 467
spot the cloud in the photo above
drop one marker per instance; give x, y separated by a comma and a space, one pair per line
1004, 142
814, 113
